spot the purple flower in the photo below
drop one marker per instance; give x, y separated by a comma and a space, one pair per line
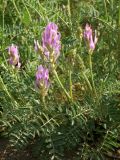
14, 56
42, 79
87, 32
88, 35
51, 41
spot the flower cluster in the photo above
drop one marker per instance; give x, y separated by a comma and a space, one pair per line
50, 49
42, 79
49, 52
51, 42
14, 56
88, 35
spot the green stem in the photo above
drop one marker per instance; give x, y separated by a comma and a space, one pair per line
87, 81
70, 76
58, 80
69, 11
3, 20
27, 10
106, 13
43, 100
83, 73
13, 1
91, 73
119, 15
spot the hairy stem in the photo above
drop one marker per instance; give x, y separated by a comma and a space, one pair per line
60, 83
70, 80
87, 81
83, 72
43, 100
91, 73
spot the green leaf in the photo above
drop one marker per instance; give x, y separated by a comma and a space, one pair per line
26, 18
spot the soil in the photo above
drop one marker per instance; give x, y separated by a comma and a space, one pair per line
8, 153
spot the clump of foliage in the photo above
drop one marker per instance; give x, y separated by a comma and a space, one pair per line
79, 118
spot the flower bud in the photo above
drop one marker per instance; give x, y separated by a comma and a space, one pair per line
42, 80
14, 56
88, 35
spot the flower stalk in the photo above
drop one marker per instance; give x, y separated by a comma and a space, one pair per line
83, 72
91, 74
87, 81
70, 81
60, 83
91, 40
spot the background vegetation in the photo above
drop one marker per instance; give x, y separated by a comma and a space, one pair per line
86, 129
